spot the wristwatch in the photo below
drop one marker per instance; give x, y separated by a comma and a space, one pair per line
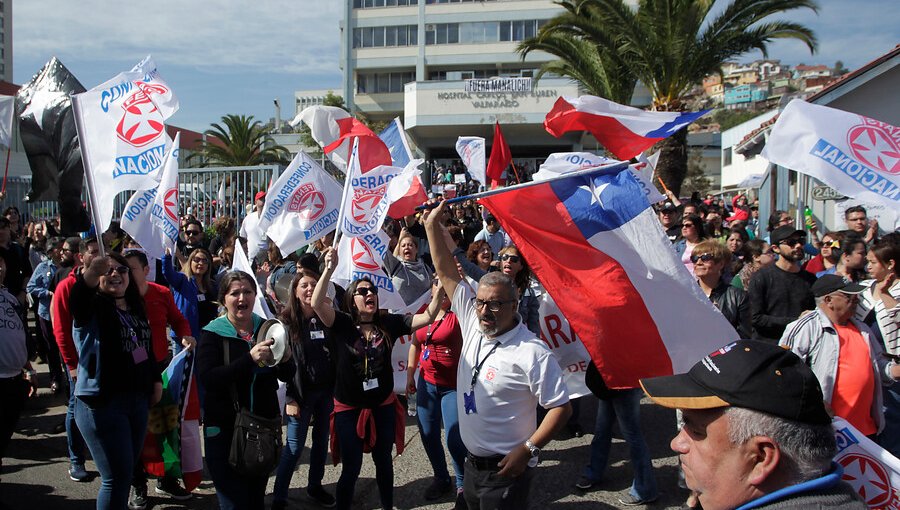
532, 448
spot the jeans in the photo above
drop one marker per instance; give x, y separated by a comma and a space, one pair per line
233, 490
74, 440
626, 408
317, 405
114, 432
434, 403
889, 438
352, 454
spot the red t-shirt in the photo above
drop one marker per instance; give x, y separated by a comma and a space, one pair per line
161, 312
444, 348
854, 385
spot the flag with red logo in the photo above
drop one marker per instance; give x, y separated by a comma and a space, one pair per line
121, 126
301, 205
870, 469
363, 257
500, 158
596, 246
623, 130
151, 216
857, 156
172, 444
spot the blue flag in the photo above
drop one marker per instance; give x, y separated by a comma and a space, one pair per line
395, 138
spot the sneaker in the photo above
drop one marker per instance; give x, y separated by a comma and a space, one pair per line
629, 500
169, 487
584, 483
318, 494
437, 489
460, 502
77, 473
138, 498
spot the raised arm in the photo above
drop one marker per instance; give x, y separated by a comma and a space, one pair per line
320, 302
439, 243
427, 316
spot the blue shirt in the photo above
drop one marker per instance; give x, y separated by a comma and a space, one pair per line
823, 482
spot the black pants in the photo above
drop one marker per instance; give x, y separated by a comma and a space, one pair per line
13, 393
484, 490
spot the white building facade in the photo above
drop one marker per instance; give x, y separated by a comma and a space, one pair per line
450, 69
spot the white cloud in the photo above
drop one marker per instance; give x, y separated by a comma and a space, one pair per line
273, 35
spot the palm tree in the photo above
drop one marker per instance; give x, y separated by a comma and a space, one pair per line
668, 45
242, 142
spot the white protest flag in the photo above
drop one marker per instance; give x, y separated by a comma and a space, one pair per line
857, 156
560, 163
365, 204
151, 216
872, 471
240, 262
220, 198
301, 206
471, 151
7, 108
363, 257
121, 127
322, 123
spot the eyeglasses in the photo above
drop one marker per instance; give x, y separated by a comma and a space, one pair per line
200, 261
192, 232
364, 291
492, 305
791, 242
706, 257
117, 269
687, 225
512, 258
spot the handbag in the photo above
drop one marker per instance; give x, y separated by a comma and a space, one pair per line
256, 441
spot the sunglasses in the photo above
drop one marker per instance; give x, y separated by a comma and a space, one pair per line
198, 260
706, 257
832, 244
364, 291
492, 305
687, 225
192, 232
791, 242
117, 269
511, 258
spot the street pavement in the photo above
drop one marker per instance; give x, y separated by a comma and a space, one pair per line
34, 474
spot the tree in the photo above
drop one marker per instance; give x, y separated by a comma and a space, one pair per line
695, 179
241, 142
839, 69
668, 45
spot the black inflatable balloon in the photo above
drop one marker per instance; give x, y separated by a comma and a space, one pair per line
47, 131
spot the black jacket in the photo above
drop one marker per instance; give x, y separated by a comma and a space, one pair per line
735, 306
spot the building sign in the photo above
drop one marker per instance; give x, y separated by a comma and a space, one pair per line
495, 100
499, 85
826, 193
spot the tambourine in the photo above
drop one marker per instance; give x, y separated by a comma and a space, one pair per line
275, 330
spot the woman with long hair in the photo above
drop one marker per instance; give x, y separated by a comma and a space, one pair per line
692, 232
435, 352
757, 254
364, 401
477, 260
513, 264
118, 376
247, 376
310, 392
193, 289
829, 254
710, 258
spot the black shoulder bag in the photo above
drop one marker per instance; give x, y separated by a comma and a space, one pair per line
256, 441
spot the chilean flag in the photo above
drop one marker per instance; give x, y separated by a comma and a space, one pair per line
372, 150
623, 130
596, 245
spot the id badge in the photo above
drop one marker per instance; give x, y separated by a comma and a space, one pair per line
426, 353
139, 355
370, 384
317, 335
201, 297
469, 402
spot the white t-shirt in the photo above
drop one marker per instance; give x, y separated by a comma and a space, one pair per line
517, 377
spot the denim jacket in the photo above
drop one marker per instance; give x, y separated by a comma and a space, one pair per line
39, 285
814, 338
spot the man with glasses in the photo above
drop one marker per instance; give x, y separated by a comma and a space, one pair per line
504, 373
191, 240
780, 292
846, 357
857, 220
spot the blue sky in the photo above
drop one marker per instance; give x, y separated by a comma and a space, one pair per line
233, 56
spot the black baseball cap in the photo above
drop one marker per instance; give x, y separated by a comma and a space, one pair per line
748, 373
835, 283
668, 207
784, 232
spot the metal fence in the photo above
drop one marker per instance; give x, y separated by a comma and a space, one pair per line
206, 193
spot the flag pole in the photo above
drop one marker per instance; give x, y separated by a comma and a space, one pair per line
347, 185
5, 172
88, 175
601, 169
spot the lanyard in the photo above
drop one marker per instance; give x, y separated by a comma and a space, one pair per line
431, 328
477, 369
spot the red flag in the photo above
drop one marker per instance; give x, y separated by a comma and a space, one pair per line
500, 156
372, 151
407, 204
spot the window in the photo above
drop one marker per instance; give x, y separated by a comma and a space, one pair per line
378, 37
382, 83
726, 156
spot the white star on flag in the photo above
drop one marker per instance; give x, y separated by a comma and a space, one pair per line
595, 192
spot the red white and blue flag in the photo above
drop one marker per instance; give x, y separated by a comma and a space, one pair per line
623, 130
596, 245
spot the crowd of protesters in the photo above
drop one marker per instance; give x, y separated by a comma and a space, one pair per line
833, 299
